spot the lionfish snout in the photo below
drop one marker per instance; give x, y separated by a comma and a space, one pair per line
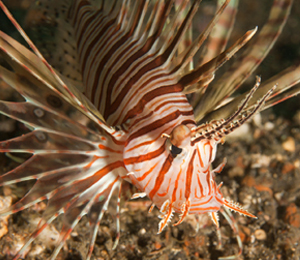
175, 173
175, 169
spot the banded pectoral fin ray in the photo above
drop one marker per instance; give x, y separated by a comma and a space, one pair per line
45, 99
39, 141
39, 165
253, 54
34, 80
45, 118
44, 187
89, 187
285, 82
206, 71
219, 36
80, 205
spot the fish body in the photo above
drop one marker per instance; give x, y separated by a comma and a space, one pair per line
114, 108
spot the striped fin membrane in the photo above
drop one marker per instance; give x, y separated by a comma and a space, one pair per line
252, 55
67, 143
124, 114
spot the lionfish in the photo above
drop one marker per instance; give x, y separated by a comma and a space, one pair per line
126, 100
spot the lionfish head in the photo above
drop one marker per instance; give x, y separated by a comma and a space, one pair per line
175, 169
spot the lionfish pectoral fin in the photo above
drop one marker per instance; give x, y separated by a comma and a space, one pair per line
233, 223
15, 158
43, 224
96, 193
285, 81
118, 231
186, 41
190, 50
221, 32
200, 85
237, 208
96, 213
253, 54
194, 47
205, 71
30, 69
23, 61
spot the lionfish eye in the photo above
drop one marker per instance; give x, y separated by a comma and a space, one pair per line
175, 150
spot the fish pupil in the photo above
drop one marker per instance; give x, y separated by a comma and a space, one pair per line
175, 150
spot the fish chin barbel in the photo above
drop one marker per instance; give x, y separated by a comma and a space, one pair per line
135, 75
